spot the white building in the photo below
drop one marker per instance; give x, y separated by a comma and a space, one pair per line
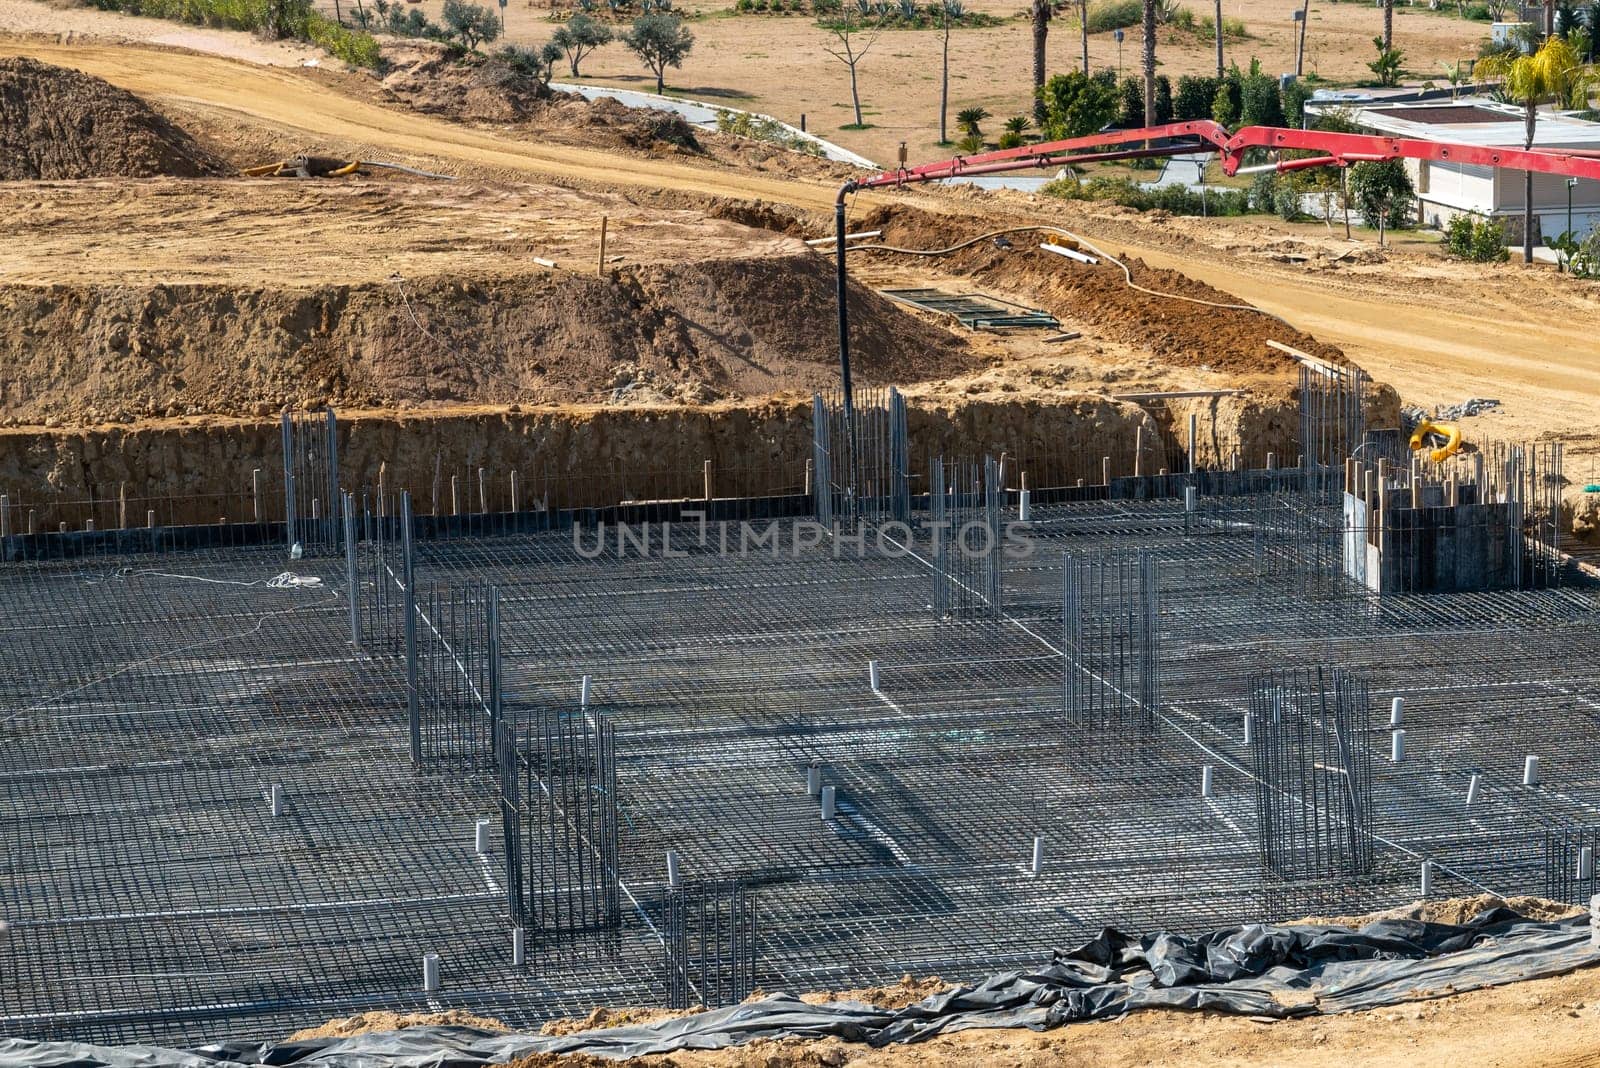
1445, 190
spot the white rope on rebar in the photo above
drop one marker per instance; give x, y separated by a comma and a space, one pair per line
166, 654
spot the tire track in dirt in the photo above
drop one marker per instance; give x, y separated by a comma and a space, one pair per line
291, 101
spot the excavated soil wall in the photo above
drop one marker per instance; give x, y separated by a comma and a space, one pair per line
678, 332
587, 456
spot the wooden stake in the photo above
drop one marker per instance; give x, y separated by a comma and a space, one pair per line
602, 269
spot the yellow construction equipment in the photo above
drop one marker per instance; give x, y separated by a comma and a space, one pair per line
304, 167
1450, 433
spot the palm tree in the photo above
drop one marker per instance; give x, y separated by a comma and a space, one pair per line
950, 11
1552, 75
1150, 61
1083, 31
1041, 29
1218, 28
1388, 24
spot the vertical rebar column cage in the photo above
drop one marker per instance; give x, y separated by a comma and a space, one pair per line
860, 459
710, 942
1332, 422
1111, 651
967, 538
1312, 761
454, 657
508, 772
1570, 852
821, 461
558, 803
311, 492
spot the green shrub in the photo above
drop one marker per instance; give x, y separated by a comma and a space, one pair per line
281, 19
1177, 199
1387, 65
1232, 28
355, 47
1194, 99
1130, 109
1108, 15
1010, 139
1076, 105
1277, 194
1294, 97
759, 128
1477, 240
1130, 102
1383, 191
1259, 103
1479, 13
1226, 105
1163, 100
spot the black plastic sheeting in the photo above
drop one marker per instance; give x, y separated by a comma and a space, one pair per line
1255, 970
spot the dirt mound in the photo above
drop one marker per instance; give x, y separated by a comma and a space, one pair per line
371, 1022
601, 1016
57, 123
1457, 910
1179, 331
908, 991
651, 332
494, 89
762, 215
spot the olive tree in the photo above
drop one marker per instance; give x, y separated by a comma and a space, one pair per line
660, 41
580, 36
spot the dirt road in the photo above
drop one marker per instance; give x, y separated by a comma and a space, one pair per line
293, 102
1520, 338
1541, 362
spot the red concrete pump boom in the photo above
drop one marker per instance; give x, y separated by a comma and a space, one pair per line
1180, 138
1183, 138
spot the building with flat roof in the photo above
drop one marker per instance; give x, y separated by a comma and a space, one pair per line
1445, 190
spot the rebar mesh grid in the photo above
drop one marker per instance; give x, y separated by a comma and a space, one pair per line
152, 703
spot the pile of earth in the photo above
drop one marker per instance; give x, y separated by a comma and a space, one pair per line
499, 89
59, 124
1183, 322
654, 333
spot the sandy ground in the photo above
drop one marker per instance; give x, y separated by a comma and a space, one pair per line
246, 231
776, 64
1544, 1023
299, 106
1439, 331
69, 23
1548, 1023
